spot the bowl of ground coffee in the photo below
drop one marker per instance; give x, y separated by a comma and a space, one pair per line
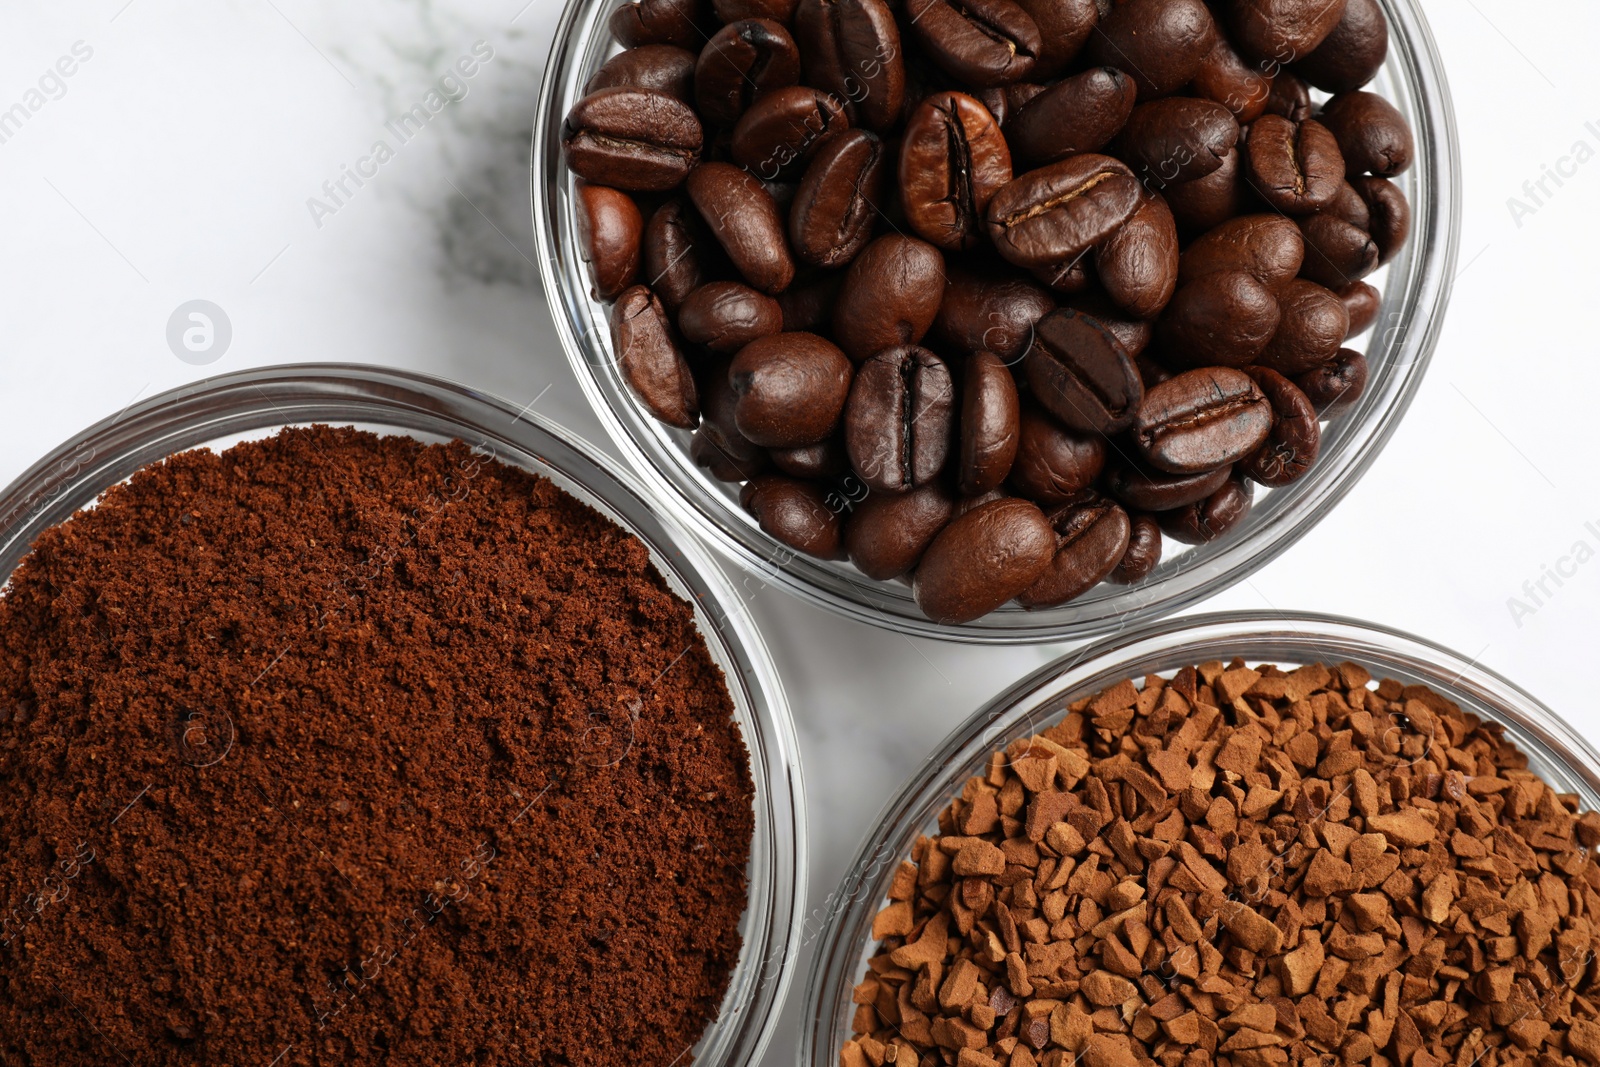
350, 717
1235, 839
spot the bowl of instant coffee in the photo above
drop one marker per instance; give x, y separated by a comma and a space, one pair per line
1003, 322
351, 717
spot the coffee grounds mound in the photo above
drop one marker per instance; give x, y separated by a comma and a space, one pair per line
339, 749
1249, 868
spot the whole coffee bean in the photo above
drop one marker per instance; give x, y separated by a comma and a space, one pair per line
718, 446
726, 316
791, 388
1206, 203
1337, 253
679, 254
1079, 114
1064, 26
808, 305
1160, 42
610, 229
1141, 488
640, 140
1361, 301
1349, 207
1267, 247
1295, 167
1241, 87
780, 132
1054, 464
1081, 373
952, 160
990, 424
745, 220
977, 42
650, 361
821, 461
1296, 438
1176, 140
1314, 324
1144, 552
890, 296
1134, 335
1201, 420
742, 61
851, 48
1223, 319
1091, 538
982, 560
733, 10
1335, 386
1389, 213
1056, 213
641, 22
1290, 97
795, 513
1373, 136
705, 453
990, 310
900, 419
665, 68
836, 205
1218, 514
1281, 31
1138, 264
1351, 55
887, 533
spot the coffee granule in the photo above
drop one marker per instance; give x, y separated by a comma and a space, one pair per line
1245, 867
340, 749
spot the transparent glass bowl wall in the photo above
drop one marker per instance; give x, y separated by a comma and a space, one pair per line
1416, 288
1554, 751
254, 404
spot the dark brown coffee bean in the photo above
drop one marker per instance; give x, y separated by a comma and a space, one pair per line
1334, 387
743, 61
795, 513
851, 48
1064, 27
1206, 203
610, 229
837, 203
726, 316
990, 424
1337, 253
1080, 114
1201, 420
887, 533
1389, 213
1296, 438
1349, 207
745, 220
1081, 373
890, 296
990, 309
791, 389
734, 10
1138, 265
679, 254
1175, 140
1160, 42
1314, 324
1267, 247
824, 460
808, 305
1134, 335
1056, 213
1281, 31
1211, 518
634, 139
1295, 167
982, 560
1361, 301
978, 42
665, 68
1351, 55
1290, 98
641, 22
718, 446
706, 455
1141, 488
1144, 552
1373, 136
1004, 101
1223, 319
1054, 464
779, 133
952, 160
1241, 87
1091, 537
650, 361
900, 419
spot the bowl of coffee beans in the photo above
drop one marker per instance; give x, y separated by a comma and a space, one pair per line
999, 321
1236, 839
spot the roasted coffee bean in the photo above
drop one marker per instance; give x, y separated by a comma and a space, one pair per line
1134, 335
900, 420
1372, 134
1296, 438
890, 296
838, 201
1143, 489
983, 559
791, 388
1267, 247
851, 48
610, 230
745, 220
1206, 203
679, 253
1144, 552
1361, 301
1138, 264
990, 424
952, 161
1218, 514
648, 356
779, 133
1280, 31
990, 310
1314, 324
824, 460
640, 140
1079, 114
718, 446
1337, 252
1064, 26
734, 10
1201, 420
1295, 167
1389, 215
1054, 464
1290, 97
665, 68
1335, 386
726, 316
1349, 207
1162, 43
1081, 373
1056, 213
743, 61
1005, 101
1175, 140
977, 42
795, 513
641, 22
808, 305
1241, 87
1351, 55
705, 454
1091, 537
887, 533
1222, 319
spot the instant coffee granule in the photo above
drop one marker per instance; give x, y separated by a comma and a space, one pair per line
340, 749
1249, 868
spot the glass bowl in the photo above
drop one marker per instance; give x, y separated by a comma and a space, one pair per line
1553, 748
224, 410
1416, 290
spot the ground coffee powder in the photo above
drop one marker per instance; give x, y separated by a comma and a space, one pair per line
338, 749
